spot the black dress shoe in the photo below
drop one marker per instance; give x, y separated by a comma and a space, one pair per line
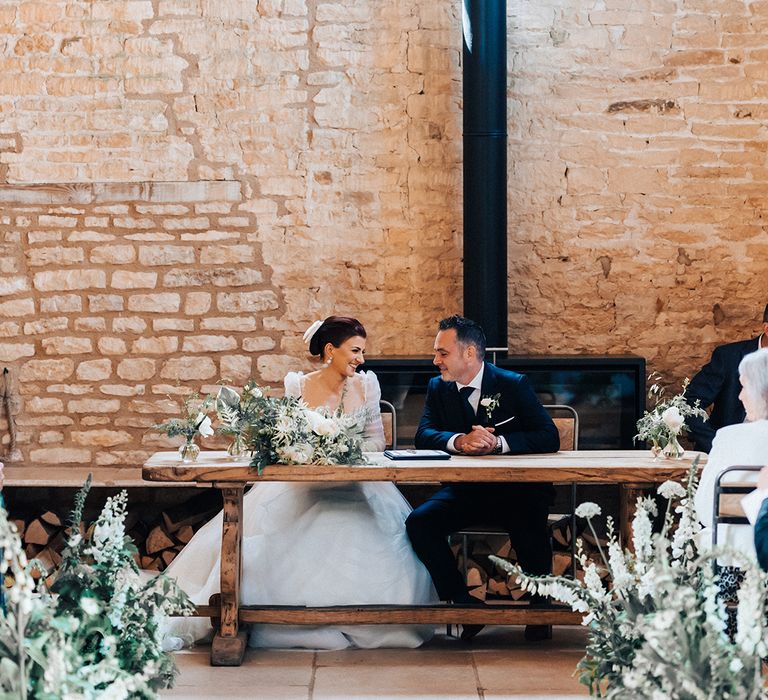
469, 632
536, 633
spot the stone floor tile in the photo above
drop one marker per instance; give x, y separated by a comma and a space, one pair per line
264, 675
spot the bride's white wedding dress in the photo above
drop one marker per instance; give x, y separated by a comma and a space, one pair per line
315, 545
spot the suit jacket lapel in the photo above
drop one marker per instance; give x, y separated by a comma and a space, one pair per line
488, 388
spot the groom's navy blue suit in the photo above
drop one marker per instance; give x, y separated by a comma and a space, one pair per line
521, 509
717, 384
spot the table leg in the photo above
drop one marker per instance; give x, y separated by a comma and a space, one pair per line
228, 646
628, 495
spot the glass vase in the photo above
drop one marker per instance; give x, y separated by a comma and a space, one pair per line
189, 451
655, 450
673, 449
237, 449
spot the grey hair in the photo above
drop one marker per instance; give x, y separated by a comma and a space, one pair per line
754, 369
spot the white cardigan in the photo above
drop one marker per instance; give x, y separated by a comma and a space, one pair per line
742, 443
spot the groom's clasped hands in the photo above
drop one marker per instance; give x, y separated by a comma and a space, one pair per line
479, 441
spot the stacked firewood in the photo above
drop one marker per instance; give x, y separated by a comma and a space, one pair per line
487, 583
158, 538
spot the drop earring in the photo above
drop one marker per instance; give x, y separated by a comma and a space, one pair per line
328, 361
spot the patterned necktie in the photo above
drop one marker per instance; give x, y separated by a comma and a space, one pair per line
469, 412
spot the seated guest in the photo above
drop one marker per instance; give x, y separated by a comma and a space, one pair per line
755, 507
741, 444
475, 408
717, 385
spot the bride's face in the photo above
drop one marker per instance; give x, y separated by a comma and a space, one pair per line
348, 356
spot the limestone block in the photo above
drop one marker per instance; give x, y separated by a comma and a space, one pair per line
159, 345
235, 369
13, 285
17, 307
187, 368
39, 404
136, 369
46, 325
172, 324
126, 279
61, 303
246, 301
94, 370
50, 437
160, 406
92, 324
113, 254
63, 280
273, 368
258, 344
155, 303
67, 346
105, 302
197, 303
221, 277
129, 324
208, 343
93, 406
166, 255
60, 455
9, 329
122, 389
54, 255
46, 370
112, 346
101, 438
242, 324
226, 254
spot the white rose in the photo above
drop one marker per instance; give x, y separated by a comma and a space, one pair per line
485, 402
673, 419
204, 427
327, 427
256, 392
89, 605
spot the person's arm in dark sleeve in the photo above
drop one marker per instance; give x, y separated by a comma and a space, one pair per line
538, 434
428, 434
705, 387
761, 535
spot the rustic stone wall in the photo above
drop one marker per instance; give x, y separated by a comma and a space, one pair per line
186, 184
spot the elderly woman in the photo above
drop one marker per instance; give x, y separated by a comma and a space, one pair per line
741, 444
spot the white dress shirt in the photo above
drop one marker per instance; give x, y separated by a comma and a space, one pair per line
474, 400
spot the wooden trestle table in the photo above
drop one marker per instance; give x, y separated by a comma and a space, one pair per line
633, 470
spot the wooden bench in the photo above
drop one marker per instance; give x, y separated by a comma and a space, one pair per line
634, 471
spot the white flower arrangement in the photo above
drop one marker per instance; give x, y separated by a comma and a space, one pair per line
285, 430
96, 633
659, 631
665, 422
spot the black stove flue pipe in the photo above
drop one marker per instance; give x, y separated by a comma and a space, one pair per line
485, 166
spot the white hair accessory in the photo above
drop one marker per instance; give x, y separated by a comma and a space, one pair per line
310, 332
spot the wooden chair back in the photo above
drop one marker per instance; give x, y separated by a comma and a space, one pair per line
389, 421
566, 421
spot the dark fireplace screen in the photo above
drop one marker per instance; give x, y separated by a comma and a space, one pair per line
607, 392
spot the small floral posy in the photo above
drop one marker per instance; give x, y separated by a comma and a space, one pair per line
665, 422
490, 404
195, 420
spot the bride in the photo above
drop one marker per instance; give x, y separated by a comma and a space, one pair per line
318, 544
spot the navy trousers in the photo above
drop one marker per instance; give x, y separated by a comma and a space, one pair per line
520, 509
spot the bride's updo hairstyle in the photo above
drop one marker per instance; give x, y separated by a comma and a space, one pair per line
335, 330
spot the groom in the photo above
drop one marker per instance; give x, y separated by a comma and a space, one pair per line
475, 408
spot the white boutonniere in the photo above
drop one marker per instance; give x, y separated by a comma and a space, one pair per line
490, 404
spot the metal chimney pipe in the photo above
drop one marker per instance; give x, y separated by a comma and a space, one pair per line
485, 166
